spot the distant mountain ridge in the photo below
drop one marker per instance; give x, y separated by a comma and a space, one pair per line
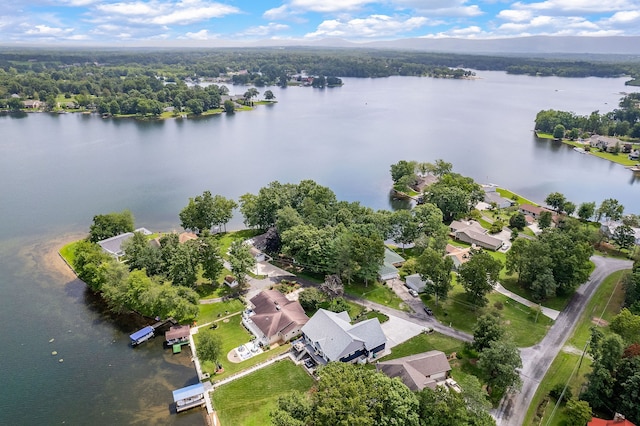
519, 46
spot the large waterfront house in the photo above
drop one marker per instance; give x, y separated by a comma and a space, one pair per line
609, 229
428, 369
605, 143
113, 245
273, 318
330, 336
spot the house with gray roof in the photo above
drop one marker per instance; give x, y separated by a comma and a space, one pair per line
428, 369
330, 336
415, 282
389, 269
113, 245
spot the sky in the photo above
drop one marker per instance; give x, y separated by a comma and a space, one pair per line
154, 22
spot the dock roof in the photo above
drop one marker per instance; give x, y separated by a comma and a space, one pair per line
188, 392
141, 333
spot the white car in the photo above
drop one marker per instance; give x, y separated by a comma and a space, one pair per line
413, 292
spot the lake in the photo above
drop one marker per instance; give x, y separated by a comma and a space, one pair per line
58, 170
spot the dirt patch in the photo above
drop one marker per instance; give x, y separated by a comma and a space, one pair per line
233, 357
599, 322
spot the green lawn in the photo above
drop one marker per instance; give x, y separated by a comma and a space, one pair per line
213, 311
423, 343
510, 282
68, 252
249, 400
226, 238
619, 158
458, 312
377, 293
564, 364
513, 196
233, 334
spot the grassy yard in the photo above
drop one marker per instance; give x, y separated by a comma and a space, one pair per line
458, 312
213, 311
249, 400
513, 196
377, 293
609, 295
233, 334
558, 303
226, 238
68, 252
619, 158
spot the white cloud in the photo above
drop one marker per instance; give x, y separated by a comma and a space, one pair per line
200, 35
170, 12
515, 15
78, 3
379, 26
263, 30
328, 5
625, 17
551, 25
454, 8
575, 6
282, 12
46, 31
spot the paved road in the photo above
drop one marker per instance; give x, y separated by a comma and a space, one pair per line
537, 359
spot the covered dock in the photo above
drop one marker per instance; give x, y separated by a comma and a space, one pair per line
142, 335
190, 396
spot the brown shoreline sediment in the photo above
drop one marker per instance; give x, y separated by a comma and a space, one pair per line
45, 255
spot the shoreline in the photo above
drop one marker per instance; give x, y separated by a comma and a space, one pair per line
621, 159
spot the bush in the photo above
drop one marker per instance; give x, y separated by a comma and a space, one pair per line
498, 305
556, 391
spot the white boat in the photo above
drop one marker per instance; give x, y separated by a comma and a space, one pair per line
580, 150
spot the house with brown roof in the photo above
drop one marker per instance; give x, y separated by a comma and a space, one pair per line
177, 334
428, 369
533, 211
459, 255
273, 318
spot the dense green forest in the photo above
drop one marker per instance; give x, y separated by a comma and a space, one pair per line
145, 82
622, 121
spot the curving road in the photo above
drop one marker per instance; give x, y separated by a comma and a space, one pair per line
537, 359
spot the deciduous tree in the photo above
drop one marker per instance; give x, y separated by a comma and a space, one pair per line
478, 276
500, 363
209, 346
241, 260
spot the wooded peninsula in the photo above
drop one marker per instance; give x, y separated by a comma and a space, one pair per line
153, 82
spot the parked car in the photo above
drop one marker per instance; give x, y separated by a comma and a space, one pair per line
413, 292
428, 311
